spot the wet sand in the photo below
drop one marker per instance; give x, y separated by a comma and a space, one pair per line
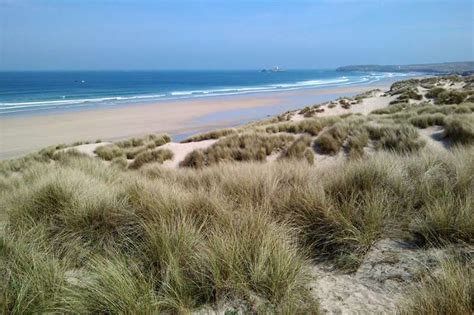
23, 134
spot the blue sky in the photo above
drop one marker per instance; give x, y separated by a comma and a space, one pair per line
231, 34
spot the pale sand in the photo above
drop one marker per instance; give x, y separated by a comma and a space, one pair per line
23, 134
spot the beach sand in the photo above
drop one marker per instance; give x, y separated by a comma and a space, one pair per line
20, 135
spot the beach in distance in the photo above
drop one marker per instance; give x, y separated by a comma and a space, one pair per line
102, 108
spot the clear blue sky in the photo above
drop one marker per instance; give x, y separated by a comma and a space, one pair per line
231, 34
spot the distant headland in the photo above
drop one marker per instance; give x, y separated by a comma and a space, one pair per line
463, 68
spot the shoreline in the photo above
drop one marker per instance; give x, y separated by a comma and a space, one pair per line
21, 135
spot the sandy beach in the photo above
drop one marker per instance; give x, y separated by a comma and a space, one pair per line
20, 135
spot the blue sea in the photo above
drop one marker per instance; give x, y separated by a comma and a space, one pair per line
39, 92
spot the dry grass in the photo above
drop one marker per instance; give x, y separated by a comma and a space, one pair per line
82, 236
155, 156
243, 147
311, 126
450, 97
215, 134
448, 291
459, 129
111, 240
300, 150
399, 138
109, 152
426, 120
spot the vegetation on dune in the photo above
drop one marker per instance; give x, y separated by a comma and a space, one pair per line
399, 138
215, 134
356, 142
243, 147
448, 291
426, 120
459, 129
310, 126
109, 152
331, 140
434, 92
82, 236
155, 156
300, 149
450, 97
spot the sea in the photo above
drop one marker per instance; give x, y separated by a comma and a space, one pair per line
36, 92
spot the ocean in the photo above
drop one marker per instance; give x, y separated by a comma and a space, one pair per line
40, 92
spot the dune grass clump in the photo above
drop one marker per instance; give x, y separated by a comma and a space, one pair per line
356, 142
450, 97
390, 109
109, 152
195, 159
32, 282
332, 139
215, 134
400, 138
154, 156
311, 126
97, 238
434, 92
242, 147
427, 120
300, 149
410, 93
449, 290
459, 129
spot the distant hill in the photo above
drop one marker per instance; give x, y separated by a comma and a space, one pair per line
464, 68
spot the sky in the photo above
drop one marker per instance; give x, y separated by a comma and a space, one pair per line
231, 34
